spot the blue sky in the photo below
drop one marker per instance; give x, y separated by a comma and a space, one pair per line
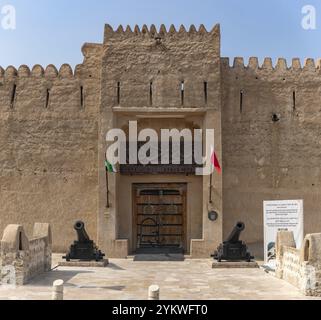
53, 31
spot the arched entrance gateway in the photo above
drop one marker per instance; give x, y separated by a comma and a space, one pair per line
165, 210
158, 81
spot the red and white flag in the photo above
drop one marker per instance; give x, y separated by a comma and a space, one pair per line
215, 162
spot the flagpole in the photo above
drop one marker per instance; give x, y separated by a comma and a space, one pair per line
107, 185
107, 182
216, 164
211, 180
211, 187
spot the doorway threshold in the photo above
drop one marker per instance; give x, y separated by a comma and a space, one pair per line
159, 254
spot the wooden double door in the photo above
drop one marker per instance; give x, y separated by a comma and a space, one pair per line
159, 220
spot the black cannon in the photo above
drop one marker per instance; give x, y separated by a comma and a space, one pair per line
84, 249
233, 249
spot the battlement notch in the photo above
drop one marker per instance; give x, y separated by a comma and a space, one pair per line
162, 31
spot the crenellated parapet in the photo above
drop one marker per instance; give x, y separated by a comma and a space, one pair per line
281, 65
89, 69
50, 72
278, 90
161, 32
161, 66
51, 88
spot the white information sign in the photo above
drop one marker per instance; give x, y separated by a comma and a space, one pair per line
281, 215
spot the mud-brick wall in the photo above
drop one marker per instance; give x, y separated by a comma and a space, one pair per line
152, 70
146, 67
265, 159
48, 146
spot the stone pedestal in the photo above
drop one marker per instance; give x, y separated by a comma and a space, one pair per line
235, 265
84, 264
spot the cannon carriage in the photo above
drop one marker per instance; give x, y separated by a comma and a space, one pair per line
83, 249
233, 249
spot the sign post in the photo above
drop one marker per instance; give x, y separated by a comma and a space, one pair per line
281, 215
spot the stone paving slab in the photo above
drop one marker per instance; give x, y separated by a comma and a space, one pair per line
84, 264
129, 280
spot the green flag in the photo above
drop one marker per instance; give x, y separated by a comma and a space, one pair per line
110, 168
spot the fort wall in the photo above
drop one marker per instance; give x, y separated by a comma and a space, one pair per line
48, 138
53, 125
148, 61
271, 140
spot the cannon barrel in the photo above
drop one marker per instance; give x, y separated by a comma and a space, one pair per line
84, 249
235, 234
81, 232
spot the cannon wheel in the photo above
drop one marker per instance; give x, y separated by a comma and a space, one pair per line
97, 257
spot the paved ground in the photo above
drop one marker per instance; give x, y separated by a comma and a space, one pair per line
128, 279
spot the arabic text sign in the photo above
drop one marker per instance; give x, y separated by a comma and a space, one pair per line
282, 216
